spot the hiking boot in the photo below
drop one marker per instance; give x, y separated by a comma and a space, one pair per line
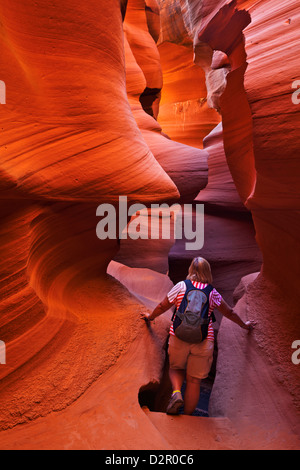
175, 404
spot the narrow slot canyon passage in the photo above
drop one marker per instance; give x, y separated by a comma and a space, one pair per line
155, 397
184, 114
232, 251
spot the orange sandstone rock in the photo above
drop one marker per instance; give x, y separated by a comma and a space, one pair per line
259, 132
69, 142
186, 165
74, 133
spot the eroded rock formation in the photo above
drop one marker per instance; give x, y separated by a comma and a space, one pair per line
144, 80
94, 94
68, 142
252, 97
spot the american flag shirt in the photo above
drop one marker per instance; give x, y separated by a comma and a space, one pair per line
176, 295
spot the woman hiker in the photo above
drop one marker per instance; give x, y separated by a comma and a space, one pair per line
192, 360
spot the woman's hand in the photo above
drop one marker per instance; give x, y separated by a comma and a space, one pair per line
250, 325
146, 316
162, 307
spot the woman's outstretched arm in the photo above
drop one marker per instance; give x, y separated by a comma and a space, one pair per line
162, 307
229, 313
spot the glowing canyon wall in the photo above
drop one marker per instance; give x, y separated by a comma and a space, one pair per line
69, 141
162, 101
234, 40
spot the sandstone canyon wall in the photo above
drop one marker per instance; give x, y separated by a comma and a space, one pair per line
162, 101
68, 142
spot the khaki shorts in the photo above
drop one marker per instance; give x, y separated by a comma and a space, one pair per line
196, 359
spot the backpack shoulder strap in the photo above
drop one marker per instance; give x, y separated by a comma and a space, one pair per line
208, 289
189, 284
189, 287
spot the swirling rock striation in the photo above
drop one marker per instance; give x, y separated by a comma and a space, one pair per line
69, 142
85, 121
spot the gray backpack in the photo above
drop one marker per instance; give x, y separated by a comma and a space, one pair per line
191, 320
